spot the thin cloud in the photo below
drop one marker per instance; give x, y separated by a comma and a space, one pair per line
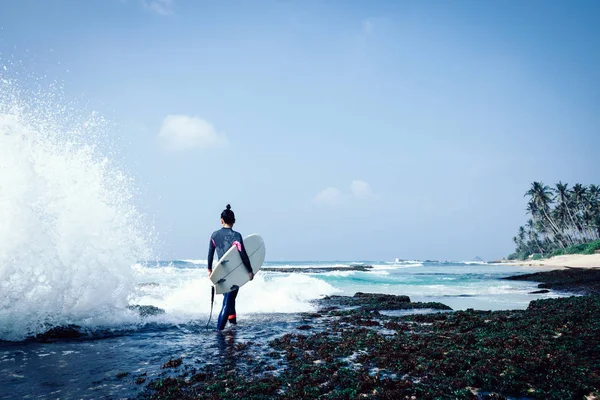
161, 7
361, 189
330, 196
334, 196
180, 132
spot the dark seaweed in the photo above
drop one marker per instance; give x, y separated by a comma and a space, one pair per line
549, 351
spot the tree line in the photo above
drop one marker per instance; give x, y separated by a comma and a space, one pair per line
559, 219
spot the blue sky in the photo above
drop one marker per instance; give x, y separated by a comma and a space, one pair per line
336, 129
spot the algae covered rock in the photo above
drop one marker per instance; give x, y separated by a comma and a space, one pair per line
573, 280
377, 301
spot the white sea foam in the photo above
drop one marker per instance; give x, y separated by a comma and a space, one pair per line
69, 232
187, 295
338, 273
199, 262
378, 272
396, 266
403, 262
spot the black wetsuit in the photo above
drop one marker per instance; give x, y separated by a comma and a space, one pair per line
221, 241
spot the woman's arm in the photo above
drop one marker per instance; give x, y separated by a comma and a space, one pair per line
211, 254
243, 254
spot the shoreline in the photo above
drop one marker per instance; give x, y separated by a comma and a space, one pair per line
564, 261
355, 347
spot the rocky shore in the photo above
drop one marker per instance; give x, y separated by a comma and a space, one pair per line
572, 280
364, 347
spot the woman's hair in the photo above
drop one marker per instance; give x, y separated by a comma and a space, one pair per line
228, 215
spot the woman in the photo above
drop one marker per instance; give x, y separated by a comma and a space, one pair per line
221, 241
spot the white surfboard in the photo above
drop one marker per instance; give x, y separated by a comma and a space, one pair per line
230, 273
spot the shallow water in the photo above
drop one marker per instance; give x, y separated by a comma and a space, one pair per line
73, 369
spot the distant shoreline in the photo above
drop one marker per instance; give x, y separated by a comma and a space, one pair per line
564, 261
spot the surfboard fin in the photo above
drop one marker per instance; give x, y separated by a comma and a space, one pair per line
222, 280
234, 287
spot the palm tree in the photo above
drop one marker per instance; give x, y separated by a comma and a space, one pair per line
523, 244
597, 224
594, 195
541, 197
594, 201
516, 240
533, 235
562, 192
548, 235
578, 195
559, 217
521, 234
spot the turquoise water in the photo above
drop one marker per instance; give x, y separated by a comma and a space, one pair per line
290, 286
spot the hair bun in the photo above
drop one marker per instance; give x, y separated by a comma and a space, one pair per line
228, 207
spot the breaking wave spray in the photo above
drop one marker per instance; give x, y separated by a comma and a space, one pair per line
69, 229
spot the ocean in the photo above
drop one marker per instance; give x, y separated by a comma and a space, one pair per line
267, 307
71, 238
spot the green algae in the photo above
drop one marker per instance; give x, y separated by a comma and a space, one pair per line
549, 351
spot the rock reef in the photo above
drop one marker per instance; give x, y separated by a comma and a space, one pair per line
572, 280
350, 349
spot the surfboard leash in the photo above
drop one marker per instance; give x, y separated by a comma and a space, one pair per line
212, 301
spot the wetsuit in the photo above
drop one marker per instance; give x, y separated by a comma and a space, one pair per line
221, 241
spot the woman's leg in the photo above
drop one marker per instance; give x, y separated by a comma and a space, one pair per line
231, 317
223, 314
227, 309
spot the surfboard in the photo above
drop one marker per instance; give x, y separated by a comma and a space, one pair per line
230, 273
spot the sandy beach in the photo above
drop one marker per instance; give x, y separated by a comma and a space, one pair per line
570, 260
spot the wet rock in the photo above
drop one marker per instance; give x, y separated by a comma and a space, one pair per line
168, 388
241, 346
310, 315
199, 377
122, 375
545, 285
146, 311
367, 322
382, 297
61, 332
378, 301
172, 363
540, 291
574, 280
304, 327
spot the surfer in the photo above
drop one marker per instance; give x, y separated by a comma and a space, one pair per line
221, 241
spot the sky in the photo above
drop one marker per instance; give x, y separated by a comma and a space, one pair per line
338, 130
